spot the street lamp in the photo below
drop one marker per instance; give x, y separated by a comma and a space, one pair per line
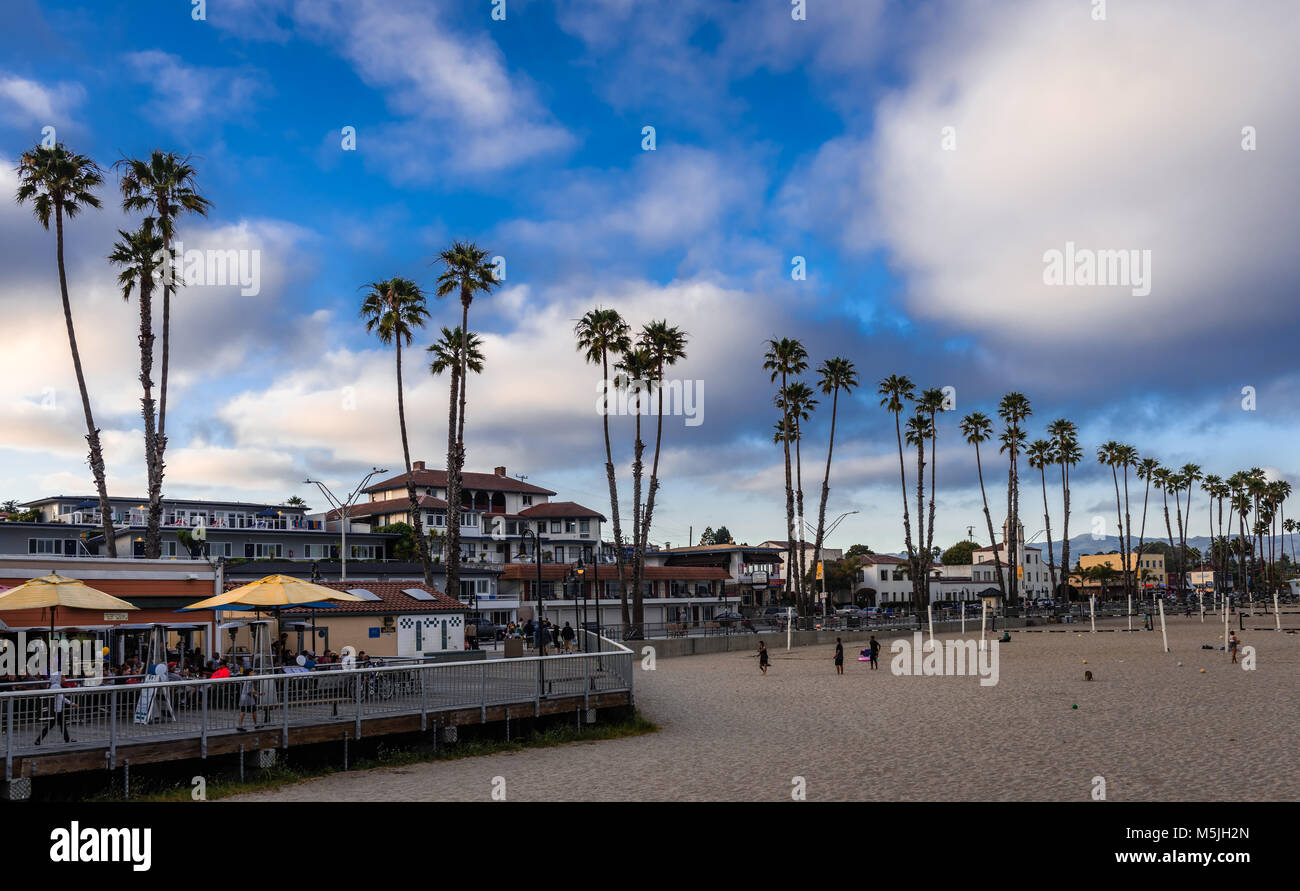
578, 574
537, 558
829, 529
344, 508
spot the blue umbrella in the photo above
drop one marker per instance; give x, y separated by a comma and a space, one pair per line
268, 513
85, 504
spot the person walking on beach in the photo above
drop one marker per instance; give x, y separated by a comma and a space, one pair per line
1232, 645
762, 657
875, 653
839, 656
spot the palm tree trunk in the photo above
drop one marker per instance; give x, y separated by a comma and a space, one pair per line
95, 454
613, 503
907, 521
413, 501
792, 583
988, 518
1065, 532
826, 483
1130, 571
654, 474
1013, 528
1119, 518
806, 595
1142, 530
927, 555
148, 410
638, 557
919, 580
1047, 519
455, 460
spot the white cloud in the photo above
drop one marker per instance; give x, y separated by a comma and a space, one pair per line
1118, 134
27, 103
186, 95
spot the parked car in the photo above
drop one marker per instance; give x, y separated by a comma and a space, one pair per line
487, 630
728, 618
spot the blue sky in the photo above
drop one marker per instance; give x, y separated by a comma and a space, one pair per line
776, 138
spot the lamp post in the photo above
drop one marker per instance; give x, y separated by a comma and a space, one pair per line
537, 558
829, 529
579, 575
344, 508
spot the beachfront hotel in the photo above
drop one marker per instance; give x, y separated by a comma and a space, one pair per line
70, 526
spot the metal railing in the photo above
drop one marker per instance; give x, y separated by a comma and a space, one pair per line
34, 722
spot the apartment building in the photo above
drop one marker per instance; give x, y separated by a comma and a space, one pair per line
70, 526
498, 517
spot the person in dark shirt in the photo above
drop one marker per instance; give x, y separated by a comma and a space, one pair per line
875, 653
839, 656
762, 657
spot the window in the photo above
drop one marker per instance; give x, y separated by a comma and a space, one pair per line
528, 500
52, 546
512, 527
559, 553
555, 525
570, 526
219, 549
361, 552
584, 525
266, 550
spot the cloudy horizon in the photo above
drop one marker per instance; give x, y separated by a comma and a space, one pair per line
920, 159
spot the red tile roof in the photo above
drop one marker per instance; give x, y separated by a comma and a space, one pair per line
486, 481
609, 572
389, 505
867, 559
559, 509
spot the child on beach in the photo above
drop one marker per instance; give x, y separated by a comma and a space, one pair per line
762, 657
1232, 645
839, 656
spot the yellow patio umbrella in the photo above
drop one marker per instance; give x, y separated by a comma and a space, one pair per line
276, 592
53, 591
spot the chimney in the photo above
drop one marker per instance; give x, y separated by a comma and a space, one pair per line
417, 465
499, 471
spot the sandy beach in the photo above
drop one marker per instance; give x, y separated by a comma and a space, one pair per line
1154, 729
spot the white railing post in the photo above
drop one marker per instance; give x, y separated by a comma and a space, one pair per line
112, 727
9, 745
284, 707
203, 721
482, 693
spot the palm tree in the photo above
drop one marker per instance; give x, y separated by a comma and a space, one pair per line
797, 401
1165, 479
1065, 445
1190, 476
634, 373
1014, 408
163, 187
392, 310
977, 428
1040, 454
1108, 454
466, 273
1210, 485
601, 335
834, 375
918, 430
1127, 456
785, 358
447, 357
665, 344
1289, 527
60, 183
1145, 468
139, 254
893, 391
932, 402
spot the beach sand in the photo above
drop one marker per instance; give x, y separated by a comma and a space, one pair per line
1154, 730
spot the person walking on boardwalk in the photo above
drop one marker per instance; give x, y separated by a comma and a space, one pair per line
875, 653
59, 709
762, 657
839, 656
